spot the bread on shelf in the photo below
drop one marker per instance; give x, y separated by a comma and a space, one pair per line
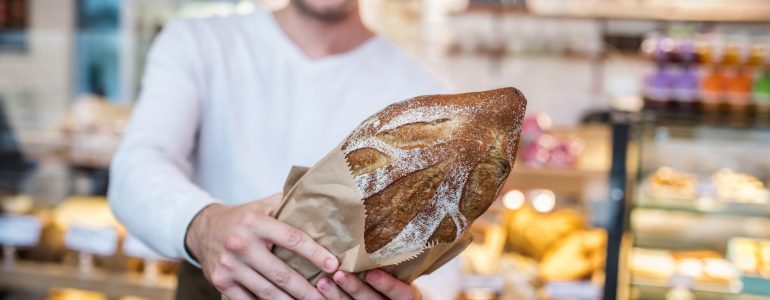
667, 183
739, 187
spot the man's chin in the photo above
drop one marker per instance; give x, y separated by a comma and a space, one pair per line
327, 5
326, 10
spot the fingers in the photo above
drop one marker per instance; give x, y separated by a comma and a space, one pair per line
355, 287
297, 241
277, 272
390, 286
331, 291
233, 278
237, 293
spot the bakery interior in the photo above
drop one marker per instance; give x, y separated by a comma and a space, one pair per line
642, 173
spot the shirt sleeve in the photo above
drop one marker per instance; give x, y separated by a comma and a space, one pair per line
444, 283
151, 191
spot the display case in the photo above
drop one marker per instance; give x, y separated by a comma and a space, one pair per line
696, 215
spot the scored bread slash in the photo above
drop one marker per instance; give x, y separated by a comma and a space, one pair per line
401, 191
428, 166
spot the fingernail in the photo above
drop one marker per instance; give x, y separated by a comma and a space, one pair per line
330, 264
323, 284
372, 276
340, 277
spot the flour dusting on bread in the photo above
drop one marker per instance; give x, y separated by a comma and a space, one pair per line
426, 167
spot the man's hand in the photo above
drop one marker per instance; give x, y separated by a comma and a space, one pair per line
233, 245
378, 285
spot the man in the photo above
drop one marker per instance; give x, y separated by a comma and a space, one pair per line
227, 106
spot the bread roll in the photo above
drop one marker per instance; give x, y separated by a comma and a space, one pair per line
428, 166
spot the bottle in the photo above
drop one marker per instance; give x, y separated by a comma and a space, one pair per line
738, 85
658, 89
712, 89
761, 94
685, 91
757, 54
735, 51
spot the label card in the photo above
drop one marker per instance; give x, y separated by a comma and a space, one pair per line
136, 248
581, 290
100, 241
19, 231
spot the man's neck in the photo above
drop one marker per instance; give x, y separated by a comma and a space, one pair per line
317, 38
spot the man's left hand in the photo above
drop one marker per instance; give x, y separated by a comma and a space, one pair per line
378, 285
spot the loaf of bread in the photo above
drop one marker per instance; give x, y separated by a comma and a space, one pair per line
428, 166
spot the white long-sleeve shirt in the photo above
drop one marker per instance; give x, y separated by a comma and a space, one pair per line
228, 105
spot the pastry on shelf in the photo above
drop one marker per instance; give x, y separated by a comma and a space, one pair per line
705, 266
74, 294
667, 183
16, 205
718, 270
751, 256
87, 211
519, 275
652, 264
575, 257
739, 187
483, 255
744, 253
532, 233
764, 259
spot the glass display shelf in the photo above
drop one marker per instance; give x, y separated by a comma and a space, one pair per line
649, 290
690, 183
704, 206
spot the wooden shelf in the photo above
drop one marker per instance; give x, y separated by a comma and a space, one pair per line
755, 11
36, 276
562, 181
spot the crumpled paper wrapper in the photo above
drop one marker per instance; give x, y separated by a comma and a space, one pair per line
324, 203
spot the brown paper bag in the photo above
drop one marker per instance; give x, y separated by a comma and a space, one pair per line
324, 203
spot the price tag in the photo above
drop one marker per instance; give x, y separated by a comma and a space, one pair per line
19, 231
582, 290
492, 283
100, 241
136, 248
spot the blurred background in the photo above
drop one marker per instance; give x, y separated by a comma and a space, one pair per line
642, 173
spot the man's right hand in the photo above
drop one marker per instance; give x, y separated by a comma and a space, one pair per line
233, 245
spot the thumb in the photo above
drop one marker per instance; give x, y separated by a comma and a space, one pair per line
270, 204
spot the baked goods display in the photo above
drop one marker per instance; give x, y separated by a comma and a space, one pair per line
653, 264
542, 249
705, 267
532, 233
559, 241
578, 256
427, 167
725, 185
751, 256
739, 187
672, 184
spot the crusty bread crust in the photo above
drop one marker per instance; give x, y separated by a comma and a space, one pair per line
428, 166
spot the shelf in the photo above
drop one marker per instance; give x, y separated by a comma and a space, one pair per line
44, 276
707, 207
646, 289
623, 10
696, 286
699, 119
562, 181
682, 10
527, 170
